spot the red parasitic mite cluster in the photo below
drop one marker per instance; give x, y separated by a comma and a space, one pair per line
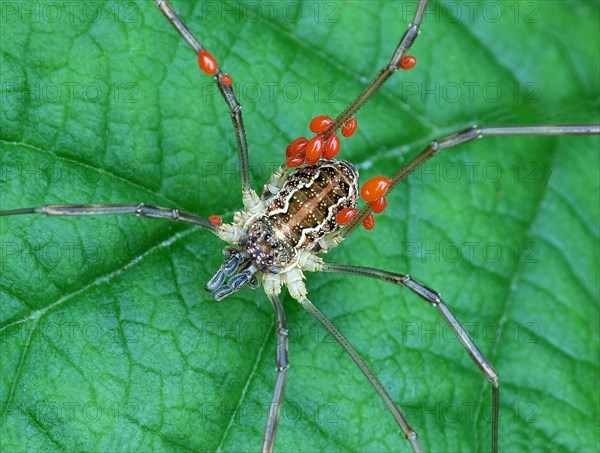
303, 150
208, 64
309, 151
373, 192
346, 215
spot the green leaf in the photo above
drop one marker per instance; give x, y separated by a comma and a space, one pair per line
109, 341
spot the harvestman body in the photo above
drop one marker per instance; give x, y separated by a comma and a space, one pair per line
280, 238
300, 215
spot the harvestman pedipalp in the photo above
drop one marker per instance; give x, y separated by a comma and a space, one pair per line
252, 205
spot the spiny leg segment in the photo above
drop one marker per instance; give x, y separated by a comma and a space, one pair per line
303, 150
375, 190
142, 210
436, 301
281, 364
399, 60
209, 65
409, 433
326, 143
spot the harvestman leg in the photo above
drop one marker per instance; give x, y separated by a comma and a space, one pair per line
424, 292
409, 433
406, 42
404, 45
435, 299
282, 364
464, 136
142, 210
235, 108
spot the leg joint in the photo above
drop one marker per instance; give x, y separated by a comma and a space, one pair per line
283, 332
282, 367
495, 380
423, 291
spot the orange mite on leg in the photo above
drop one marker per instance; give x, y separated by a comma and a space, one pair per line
313, 150
349, 127
379, 205
375, 188
226, 80
296, 147
215, 220
345, 216
407, 62
207, 62
320, 124
332, 147
369, 222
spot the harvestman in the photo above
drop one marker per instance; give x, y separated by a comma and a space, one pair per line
275, 253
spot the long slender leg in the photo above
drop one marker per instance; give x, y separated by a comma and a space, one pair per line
224, 84
406, 42
435, 299
410, 434
142, 210
464, 136
282, 364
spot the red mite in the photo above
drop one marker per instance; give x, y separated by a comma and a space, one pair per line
379, 205
375, 188
295, 160
313, 150
345, 216
369, 222
349, 127
296, 147
407, 62
215, 220
226, 80
207, 62
320, 124
332, 147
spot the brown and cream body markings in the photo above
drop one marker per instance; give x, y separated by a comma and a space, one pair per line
281, 235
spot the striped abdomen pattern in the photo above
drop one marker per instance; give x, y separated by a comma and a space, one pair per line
302, 212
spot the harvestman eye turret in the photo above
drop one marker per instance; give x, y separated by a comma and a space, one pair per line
307, 208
